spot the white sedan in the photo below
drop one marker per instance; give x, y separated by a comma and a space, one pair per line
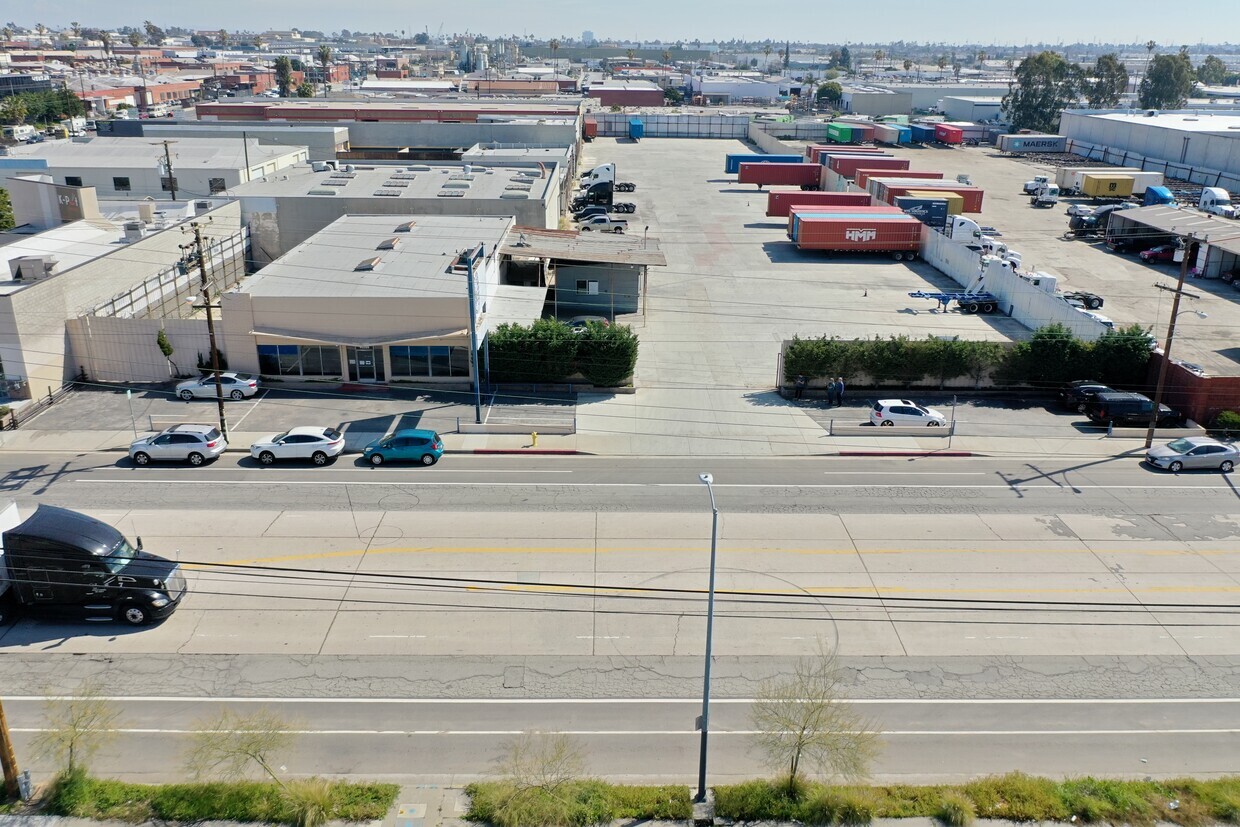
313, 443
904, 412
234, 385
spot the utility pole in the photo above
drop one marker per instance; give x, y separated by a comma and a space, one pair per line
1166, 354
8, 761
172, 181
470, 257
206, 303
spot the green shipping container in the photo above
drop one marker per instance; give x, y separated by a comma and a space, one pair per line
840, 133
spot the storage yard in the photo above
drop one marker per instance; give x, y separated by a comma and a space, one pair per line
736, 285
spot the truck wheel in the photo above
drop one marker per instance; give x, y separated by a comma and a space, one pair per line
134, 614
1094, 303
970, 308
586, 229
988, 308
898, 256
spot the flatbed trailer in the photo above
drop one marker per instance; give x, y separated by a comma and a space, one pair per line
967, 302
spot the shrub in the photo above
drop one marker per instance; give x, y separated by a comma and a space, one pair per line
573, 804
838, 805
1016, 797
1227, 421
667, 803
1120, 358
606, 356
758, 800
1050, 357
542, 352
955, 810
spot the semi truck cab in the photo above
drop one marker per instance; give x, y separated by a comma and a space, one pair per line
61, 562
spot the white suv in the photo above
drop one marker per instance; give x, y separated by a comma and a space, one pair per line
904, 412
194, 444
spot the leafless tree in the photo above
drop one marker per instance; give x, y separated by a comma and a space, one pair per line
78, 726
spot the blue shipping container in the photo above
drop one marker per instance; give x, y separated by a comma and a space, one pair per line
906, 133
929, 211
922, 134
732, 163
637, 128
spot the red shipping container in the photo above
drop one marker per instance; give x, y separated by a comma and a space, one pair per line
591, 127
847, 166
862, 176
946, 134
875, 210
811, 151
972, 195
881, 234
779, 202
796, 175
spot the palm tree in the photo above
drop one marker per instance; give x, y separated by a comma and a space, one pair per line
135, 39
8, 33
981, 57
630, 54
259, 42
106, 39
554, 45
908, 64
40, 28
1150, 46
941, 63
667, 57
324, 59
878, 57
766, 53
810, 83
76, 28
222, 37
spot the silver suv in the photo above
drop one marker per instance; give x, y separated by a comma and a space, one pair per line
194, 444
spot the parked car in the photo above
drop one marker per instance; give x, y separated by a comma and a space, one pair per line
1118, 408
904, 412
234, 385
194, 444
409, 445
1080, 209
308, 442
580, 323
603, 224
1163, 252
1194, 452
1077, 394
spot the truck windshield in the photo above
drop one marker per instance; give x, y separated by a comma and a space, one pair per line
120, 556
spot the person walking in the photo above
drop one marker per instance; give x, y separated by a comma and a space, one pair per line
831, 389
799, 385
839, 390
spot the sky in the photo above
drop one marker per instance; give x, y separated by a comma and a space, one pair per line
827, 21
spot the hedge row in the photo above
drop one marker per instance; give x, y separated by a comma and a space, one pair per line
550, 351
81, 796
574, 804
1050, 357
1013, 797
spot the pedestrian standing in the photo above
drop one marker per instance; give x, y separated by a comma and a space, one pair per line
831, 388
839, 390
799, 385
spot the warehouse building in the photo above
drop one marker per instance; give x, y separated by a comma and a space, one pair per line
133, 167
875, 100
971, 109
322, 143
729, 89
283, 211
1202, 147
627, 93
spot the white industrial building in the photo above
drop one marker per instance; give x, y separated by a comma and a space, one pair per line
875, 100
728, 89
1199, 146
971, 108
135, 167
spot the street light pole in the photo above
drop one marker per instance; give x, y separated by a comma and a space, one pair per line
205, 283
704, 723
470, 256
1166, 354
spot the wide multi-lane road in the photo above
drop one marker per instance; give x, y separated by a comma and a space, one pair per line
568, 593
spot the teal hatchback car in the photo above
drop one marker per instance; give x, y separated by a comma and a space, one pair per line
410, 445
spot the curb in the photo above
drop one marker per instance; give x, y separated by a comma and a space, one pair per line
537, 451
907, 454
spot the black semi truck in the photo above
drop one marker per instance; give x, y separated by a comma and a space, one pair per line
60, 562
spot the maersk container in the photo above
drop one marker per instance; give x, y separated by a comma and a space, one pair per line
780, 174
1107, 186
637, 129
847, 166
732, 163
863, 176
840, 133
896, 234
929, 211
948, 134
1024, 143
955, 201
796, 214
922, 133
779, 202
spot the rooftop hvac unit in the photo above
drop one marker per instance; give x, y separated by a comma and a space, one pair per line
29, 268
146, 211
319, 166
134, 230
201, 207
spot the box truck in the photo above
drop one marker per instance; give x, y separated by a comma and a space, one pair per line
60, 562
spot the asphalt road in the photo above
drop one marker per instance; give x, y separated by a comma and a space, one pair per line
581, 483
654, 739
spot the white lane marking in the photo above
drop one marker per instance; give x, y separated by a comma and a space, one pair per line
257, 399
686, 732
1066, 488
604, 701
908, 473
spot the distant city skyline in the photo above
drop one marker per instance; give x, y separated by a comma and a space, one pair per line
1051, 21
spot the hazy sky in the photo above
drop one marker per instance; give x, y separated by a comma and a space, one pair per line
1051, 21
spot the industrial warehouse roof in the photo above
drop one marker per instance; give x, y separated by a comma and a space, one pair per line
572, 245
418, 265
1223, 124
127, 153
1179, 222
443, 182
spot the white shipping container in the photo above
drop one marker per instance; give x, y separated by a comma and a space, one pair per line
1073, 178
886, 134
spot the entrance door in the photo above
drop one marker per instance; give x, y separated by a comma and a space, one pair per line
365, 364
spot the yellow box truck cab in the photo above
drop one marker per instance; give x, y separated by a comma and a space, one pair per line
62, 563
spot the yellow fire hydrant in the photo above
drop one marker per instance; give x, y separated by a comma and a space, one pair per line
534, 439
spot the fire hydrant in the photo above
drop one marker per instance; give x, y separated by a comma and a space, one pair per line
534, 439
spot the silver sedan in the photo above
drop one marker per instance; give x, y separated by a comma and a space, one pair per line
1193, 452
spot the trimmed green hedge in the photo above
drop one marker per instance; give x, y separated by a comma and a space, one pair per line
574, 804
81, 796
1050, 357
1012, 797
550, 351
